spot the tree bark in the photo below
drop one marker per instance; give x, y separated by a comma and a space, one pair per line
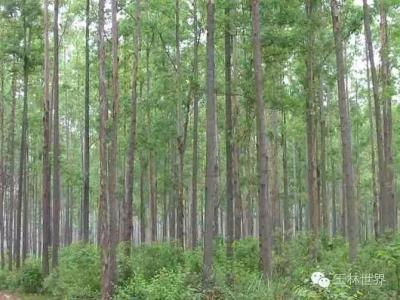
195, 125
311, 126
265, 229
345, 134
2, 174
46, 233
103, 213
378, 115
212, 150
389, 217
56, 143
112, 168
129, 169
86, 152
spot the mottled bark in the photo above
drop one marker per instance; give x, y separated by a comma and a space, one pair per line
264, 204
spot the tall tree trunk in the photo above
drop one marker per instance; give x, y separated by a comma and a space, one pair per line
212, 150
10, 151
322, 158
26, 210
46, 233
345, 134
389, 218
56, 141
86, 152
372, 144
314, 208
3, 173
23, 146
378, 115
179, 138
112, 167
287, 219
129, 169
265, 230
103, 213
153, 196
229, 140
142, 205
195, 125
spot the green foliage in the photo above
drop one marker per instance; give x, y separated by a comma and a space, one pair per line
78, 273
30, 277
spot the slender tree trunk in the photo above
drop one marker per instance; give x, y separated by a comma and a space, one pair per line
142, 205
46, 233
274, 178
265, 230
372, 144
389, 219
153, 196
112, 167
212, 150
378, 115
86, 152
229, 140
26, 210
23, 146
56, 141
129, 169
323, 133
179, 138
11, 187
345, 134
287, 218
311, 129
195, 125
3, 173
104, 238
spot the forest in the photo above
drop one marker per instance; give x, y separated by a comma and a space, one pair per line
199, 149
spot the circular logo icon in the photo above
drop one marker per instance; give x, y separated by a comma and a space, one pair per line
320, 279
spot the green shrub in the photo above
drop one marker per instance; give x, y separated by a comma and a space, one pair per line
31, 277
78, 273
149, 260
165, 285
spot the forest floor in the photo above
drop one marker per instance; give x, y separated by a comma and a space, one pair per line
10, 296
6, 296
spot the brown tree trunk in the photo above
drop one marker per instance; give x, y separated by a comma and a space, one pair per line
212, 150
372, 144
389, 217
104, 238
265, 230
142, 205
378, 115
287, 218
56, 144
153, 196
86, 152
322, 158
46, 233
345, 134
10, 151
2, 173
195, 125
129, 169
112, 167
229, 141
314, 208
179, 138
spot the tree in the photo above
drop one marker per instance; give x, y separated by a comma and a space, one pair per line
104, 238
212, 150
129, 170
86, 153
56, 141
264, 206
46, 147
345, 131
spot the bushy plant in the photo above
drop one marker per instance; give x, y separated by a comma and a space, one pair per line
165, 285
78, 273
30, 277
